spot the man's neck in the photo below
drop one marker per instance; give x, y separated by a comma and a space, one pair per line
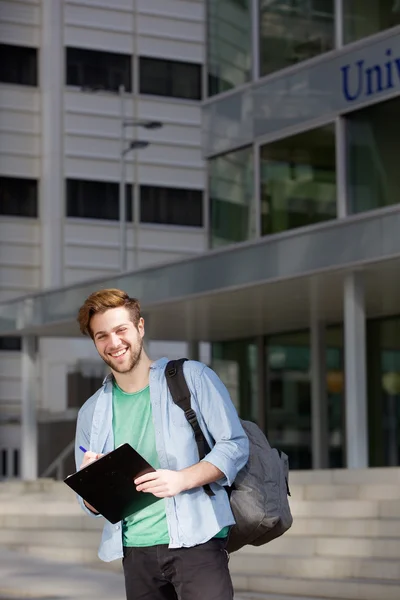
137, 379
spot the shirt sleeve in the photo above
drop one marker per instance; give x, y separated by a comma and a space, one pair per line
82, 439
231, 450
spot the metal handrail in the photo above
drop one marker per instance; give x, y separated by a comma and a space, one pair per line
58, 463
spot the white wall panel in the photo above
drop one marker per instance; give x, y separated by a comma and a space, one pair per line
20, 277
110, 18
185, 177
98, 39
22, 144
126, 5
19, 256
170, 27
20, 22
169, 110
169, 48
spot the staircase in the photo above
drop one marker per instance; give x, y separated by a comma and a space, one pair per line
344, 543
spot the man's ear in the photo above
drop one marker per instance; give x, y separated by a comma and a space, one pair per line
141, 326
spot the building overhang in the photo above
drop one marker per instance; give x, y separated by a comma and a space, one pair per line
261, 287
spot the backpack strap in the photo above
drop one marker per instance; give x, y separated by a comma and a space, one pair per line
181, 396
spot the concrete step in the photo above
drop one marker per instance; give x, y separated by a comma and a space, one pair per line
82, 556
328, 589
345, 492
346, 509
60, 522
45, 537
310, 526
373, 475
330, 546
316, 567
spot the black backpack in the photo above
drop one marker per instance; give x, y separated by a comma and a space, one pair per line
259, 496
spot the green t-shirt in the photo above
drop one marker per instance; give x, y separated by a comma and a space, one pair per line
133, 423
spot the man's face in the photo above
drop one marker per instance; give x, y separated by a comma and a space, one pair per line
117, 340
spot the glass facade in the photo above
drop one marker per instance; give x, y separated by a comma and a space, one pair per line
294, 30
228, 44
298, 180
383, 360
374, 174
363, 18
232, 199
236, 363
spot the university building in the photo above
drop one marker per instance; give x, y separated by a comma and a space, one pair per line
262, 218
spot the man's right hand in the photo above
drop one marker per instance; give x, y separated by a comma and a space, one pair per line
88, 458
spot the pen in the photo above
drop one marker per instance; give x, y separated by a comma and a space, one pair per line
83, 449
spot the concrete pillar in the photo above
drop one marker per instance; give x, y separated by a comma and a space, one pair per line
29, 446
355, 372
193, 350
319, 399
52, 74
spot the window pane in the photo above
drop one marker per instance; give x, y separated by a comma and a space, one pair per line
96, 200
4, 469
18, 64
16, 463
18, 197
10, 344
288, 414
228, 44
170, 206
236, 364
383, 373
232, 202
294, 30
363, 18
298, 181
170, 78
97, 69
374, 174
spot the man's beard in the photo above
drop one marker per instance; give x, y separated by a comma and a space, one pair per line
133, 362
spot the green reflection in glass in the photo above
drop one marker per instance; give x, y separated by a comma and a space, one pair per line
383, 376
232, 203
298, 180
374, 174
228, 44
366, 17
236, 364
294, 30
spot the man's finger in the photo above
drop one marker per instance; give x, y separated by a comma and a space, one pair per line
148, 477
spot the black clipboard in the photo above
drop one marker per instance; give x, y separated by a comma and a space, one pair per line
107, 484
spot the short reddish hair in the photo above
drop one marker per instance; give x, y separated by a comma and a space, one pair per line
103, 300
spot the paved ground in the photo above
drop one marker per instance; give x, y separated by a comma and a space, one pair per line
25, 577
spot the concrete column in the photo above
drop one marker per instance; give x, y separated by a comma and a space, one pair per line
29, 446
193, 350
355, 372
319, 400
52, 73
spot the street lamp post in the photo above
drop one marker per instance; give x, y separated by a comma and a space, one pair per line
123, 151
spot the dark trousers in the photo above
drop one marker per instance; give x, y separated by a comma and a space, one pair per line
197, 573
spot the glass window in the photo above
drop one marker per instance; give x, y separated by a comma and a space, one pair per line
294, 30
298, 180
374, 174
236, 364
232, 202
171, 206
288, 412
363, 18
228, 44
18, 197
97, 69
18, 64
383, 377
10, 344
170, 78
96, 200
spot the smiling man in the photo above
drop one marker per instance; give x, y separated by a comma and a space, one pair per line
173, 549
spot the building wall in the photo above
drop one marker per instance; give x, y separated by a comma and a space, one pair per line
53, 132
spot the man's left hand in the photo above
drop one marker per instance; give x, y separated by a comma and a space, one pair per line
162, 483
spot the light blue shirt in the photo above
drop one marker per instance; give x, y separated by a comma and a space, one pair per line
193, 517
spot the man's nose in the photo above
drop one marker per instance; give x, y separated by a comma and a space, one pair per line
114, 340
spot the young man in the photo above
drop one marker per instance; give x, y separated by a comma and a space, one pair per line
173, 549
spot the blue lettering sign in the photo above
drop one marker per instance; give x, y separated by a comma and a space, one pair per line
358, 80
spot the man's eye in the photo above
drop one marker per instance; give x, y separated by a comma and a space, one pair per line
100, 337
122, 330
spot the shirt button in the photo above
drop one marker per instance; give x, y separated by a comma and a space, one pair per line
117, 527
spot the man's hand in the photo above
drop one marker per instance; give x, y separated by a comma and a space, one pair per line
89, 457
162, 483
